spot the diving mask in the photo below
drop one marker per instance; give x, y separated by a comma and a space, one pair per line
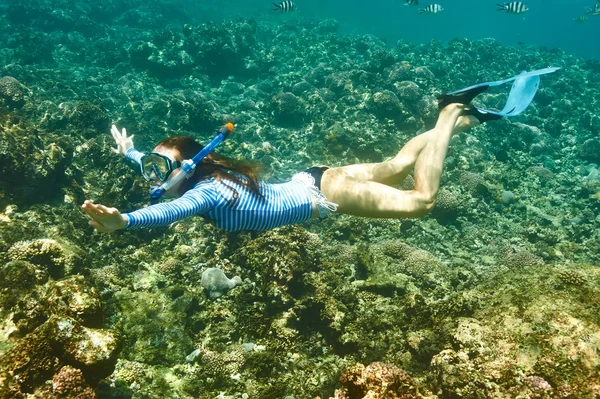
156, 166
187, 166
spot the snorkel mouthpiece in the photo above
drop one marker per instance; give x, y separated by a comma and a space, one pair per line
188, 166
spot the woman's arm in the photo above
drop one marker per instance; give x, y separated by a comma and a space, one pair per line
125, 145
105, 220
195, 201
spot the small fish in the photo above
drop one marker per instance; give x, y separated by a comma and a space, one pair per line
432, 9
514, 7
581, 19
415, 2
284, 6
594, 10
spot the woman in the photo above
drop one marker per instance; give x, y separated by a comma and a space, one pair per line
228, 192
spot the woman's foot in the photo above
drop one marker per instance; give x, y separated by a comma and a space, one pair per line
482, 116
464, 122
464, 97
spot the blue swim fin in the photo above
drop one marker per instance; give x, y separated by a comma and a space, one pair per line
521, 93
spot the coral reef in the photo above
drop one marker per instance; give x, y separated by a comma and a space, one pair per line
288, 109
44, 252
32, 168
447, 206
12, 92
521, 260
377, 380
52, 325
495, 293
47, 353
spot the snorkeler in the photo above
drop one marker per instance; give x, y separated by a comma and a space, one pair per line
228, 193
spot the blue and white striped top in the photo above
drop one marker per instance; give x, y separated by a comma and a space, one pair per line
285, 203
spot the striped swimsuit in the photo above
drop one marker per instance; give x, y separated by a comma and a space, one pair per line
285, 203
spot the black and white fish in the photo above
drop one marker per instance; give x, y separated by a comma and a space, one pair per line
431, 9
581, 19
284, 6
514, 7
415, 2
594, 10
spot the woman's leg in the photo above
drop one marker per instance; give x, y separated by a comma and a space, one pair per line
373, 198
393, 172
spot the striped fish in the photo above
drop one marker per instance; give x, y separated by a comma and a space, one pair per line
595, 10
415, 2
284, 6
581, 19
431, 9
514, 7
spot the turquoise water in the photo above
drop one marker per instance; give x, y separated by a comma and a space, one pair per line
495, 293
548, 22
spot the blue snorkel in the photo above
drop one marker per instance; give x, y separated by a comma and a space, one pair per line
189, 165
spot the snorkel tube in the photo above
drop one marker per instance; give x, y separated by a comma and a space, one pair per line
189, 165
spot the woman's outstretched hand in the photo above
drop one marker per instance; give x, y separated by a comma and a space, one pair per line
123, 142
105, 220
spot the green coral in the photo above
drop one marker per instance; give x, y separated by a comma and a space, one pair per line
447, 206
12, 92
32, 166
89, 118
278, 260
45, 252
386, 105
288, 109
473, 183
17, 278
573, 277
521, 260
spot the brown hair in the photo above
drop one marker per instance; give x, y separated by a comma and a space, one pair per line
214, 165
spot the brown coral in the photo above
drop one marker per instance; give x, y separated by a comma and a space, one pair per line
28, 364
376, 381
68, 383
75, 297
43, 252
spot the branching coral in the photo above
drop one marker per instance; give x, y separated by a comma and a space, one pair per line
572, 277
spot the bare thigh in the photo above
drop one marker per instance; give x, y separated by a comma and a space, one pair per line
391, 172
371, 199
